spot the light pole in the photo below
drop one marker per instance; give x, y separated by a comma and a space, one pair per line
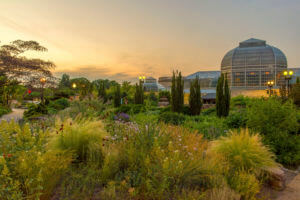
43, 82
288, 76
74, 87
142, 78
270, 85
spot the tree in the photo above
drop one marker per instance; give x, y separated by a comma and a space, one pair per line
222, 97
177, 96
226, 97
15, 65
295, 92
84, 86
139, 93
102, 92
8, 90
65, 81
195, 100
117, 96
220, 103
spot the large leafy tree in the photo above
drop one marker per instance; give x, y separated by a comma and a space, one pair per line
14, 64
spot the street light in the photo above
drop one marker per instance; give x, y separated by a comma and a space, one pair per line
288, 76
270, 84
142, 78
43, 82
74, 87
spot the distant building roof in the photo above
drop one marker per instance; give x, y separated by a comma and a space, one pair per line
204, 74
209, 96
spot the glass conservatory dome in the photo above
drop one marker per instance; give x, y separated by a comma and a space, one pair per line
253, 63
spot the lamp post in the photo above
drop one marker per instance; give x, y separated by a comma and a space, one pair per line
74, 87
43, 82
270, 85
288, 76
142, 78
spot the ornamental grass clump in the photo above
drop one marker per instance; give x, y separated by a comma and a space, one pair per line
244, 159
83, 138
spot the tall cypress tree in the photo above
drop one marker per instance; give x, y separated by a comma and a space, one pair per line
226, 97
117, 96
223, 97
173, 93
195, 100
102, 91
139, 93
220, 104
180, 87
177, 92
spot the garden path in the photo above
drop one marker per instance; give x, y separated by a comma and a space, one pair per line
16, 114
292, 191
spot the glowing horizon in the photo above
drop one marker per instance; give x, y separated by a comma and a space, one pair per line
122, 40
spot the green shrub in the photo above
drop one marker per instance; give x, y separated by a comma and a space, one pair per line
171, 118
35, 110
209, 111
210, 126
131, 108
236, 119
137, 108
84, 109
285, 146
58, 104
165, 109
124, 108
4, 110
270, 115
240, 101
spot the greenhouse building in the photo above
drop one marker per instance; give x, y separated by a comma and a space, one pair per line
252, 64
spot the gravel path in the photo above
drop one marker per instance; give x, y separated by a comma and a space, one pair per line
292, 191
16, 114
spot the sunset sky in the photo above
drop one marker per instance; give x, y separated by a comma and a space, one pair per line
120, 39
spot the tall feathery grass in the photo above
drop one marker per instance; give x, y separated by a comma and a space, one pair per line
244, 160
83, 138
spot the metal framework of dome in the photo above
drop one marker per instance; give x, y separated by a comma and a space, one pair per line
253, 63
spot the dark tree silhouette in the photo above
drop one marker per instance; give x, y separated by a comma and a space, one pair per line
195, 100
14, 64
